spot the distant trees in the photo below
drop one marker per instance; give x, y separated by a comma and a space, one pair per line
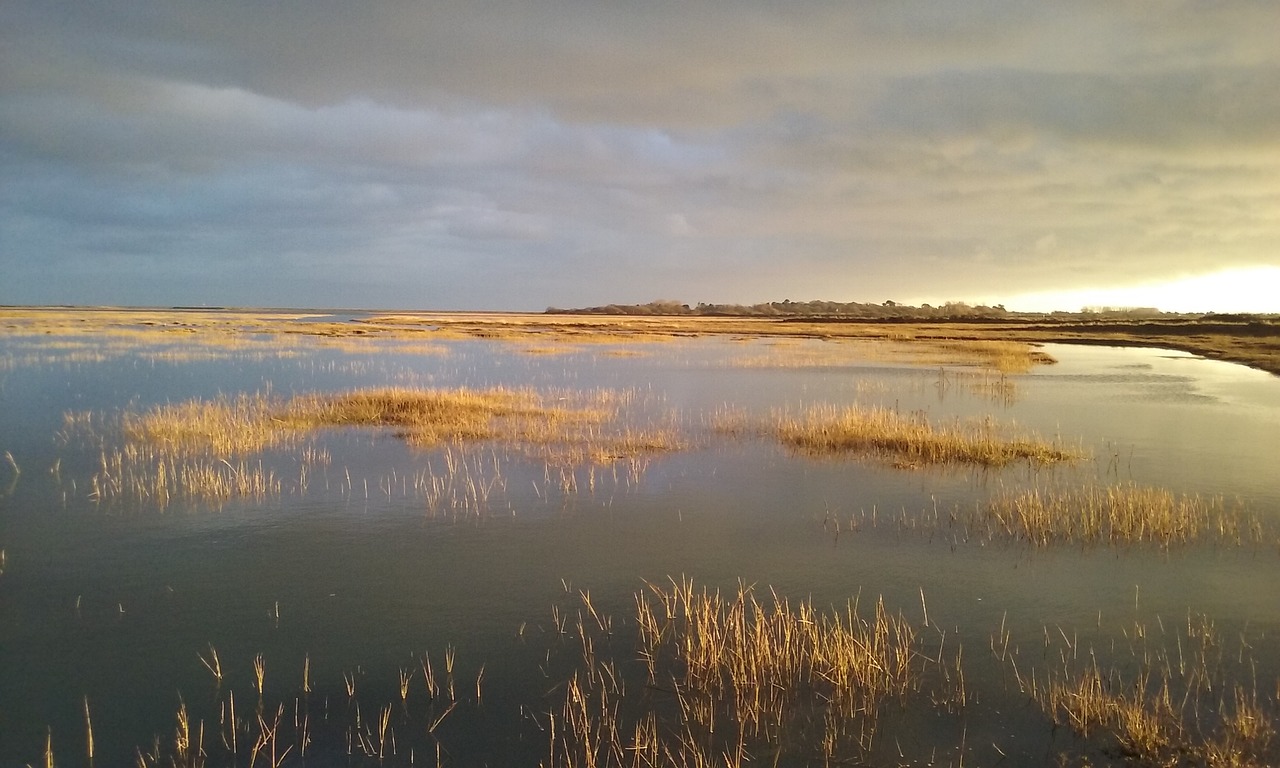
788, 308
895, 311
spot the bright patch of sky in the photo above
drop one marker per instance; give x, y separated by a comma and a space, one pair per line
1255, 289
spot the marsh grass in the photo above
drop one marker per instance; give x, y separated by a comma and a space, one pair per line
999, 357
732, 679
1193, 704
387, 722
226, 426
763, 659
909, 440
214, 449
1120, 514
1252, 344
426, 416
1002, 356
145, 475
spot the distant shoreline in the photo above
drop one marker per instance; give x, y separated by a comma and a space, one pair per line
1251, 340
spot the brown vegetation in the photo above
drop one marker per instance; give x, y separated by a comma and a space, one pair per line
733, 679
1253, 341
910, 439
1118, 514
201, 449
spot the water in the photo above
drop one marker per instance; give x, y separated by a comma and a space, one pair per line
114, 604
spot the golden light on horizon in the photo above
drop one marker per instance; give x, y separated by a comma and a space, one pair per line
1242, 289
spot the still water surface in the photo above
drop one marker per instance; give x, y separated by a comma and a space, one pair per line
355, 578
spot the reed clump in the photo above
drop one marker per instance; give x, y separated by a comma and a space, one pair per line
225, 426
214, 449
426, 416
765, 659
733, 678
1124, 513
1003, 356
911, 439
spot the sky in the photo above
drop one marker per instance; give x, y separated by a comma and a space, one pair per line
514, 155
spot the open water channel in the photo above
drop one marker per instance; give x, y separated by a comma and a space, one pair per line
341, 583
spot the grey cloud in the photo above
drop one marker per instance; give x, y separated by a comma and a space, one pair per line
517, 154
1176, 108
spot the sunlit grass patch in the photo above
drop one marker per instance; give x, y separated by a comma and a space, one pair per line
247, 423
207, 448
762, 656
734, 676
425, 416
1119, 514
911, 439
1003, 356
1000, 357
226, 426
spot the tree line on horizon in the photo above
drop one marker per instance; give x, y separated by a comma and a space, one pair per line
892, 310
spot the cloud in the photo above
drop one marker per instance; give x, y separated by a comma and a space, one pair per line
515, 155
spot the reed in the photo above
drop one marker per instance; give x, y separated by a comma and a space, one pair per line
145, 474
224, 427
999, 355
910, 440
767, 657
1118, 514
213, 664
1163, 708
88, 731
732, 676
203, 449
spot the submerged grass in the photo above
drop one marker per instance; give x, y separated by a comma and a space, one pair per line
911, 440
1189, 707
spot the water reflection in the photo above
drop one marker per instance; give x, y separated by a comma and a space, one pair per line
358, 577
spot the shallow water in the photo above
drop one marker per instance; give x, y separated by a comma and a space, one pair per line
356, 575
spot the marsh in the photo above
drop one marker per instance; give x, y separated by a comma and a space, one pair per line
407, 593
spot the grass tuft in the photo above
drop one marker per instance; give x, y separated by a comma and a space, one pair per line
911, 440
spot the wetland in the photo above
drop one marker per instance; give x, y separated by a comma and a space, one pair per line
357, 538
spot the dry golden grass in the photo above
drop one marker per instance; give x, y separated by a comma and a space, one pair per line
200, 448
222, 427
764, 659
1255, 345
157, 477
426, 416
249, 423
910, 440
734, 676
1003, 356
1118, 514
